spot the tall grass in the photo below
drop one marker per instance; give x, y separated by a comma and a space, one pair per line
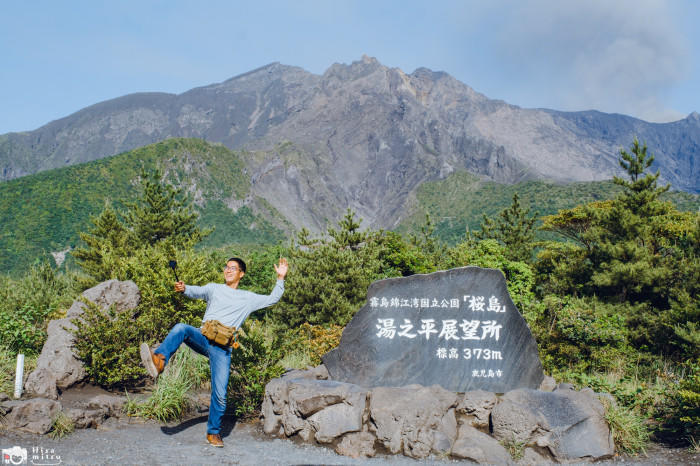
629, 432
170, 400
61, 426
8, 366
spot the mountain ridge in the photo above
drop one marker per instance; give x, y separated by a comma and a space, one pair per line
361, 135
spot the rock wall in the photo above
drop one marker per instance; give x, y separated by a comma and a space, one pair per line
562, 425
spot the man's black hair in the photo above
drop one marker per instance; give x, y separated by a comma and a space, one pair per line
239, 261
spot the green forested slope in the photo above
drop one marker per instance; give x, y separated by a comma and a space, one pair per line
45, 212
458, 202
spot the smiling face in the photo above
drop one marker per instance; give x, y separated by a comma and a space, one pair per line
233, 274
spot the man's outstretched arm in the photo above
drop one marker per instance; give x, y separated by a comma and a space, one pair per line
193, 291
260, 301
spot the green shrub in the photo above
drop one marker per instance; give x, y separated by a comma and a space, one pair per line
582, 333
315, 340
489, 253
312, 342
515, 448
253, 365
108, 342
24, 330
680, 415
108, 345
27, 303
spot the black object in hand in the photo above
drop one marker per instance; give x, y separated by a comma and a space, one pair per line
173, 265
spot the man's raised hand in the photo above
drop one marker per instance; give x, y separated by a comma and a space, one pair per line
179, 287
281, 268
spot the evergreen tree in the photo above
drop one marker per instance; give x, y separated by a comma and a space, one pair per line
428, 245
330, 276
513, 228
106, 237
348, 234
642, 194
631, 253
635, 250
161, 213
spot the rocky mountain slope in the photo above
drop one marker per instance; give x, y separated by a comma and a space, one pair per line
362, 135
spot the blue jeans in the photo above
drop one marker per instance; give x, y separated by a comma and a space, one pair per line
219, 363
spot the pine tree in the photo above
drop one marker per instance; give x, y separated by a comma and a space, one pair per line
108, 236
161, 213
330, 275
638, 250
630, 253
642, 194
514, 228
348, 233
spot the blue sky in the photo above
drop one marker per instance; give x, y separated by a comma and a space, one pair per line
640, 58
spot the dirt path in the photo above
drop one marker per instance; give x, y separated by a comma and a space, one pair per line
125, 442
132, 442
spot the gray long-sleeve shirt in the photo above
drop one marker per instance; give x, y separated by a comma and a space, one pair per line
231, 306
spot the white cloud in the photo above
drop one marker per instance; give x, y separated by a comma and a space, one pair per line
621, 56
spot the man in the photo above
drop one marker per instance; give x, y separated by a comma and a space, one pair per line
230, 306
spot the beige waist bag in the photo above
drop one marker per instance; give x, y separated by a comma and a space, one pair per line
220, 334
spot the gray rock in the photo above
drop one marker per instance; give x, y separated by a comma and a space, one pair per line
92, 412
332, 408
274, 403
446, 434
112, 405
58, 367
357, 445
86, 418
458, 328
306, 433
406, 419
475, 407
570, 424
323, 409
336, 420
34, 416
533, 458
512, 423
308, 396
123, 295
318, 373
474, 445
292, 423
548, 384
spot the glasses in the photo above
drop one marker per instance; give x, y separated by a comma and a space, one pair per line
231, 269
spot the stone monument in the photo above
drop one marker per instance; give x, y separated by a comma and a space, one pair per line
457, 328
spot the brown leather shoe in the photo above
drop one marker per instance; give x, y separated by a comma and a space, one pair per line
154, 362
215, 440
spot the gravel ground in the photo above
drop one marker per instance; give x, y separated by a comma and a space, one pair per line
127, 441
